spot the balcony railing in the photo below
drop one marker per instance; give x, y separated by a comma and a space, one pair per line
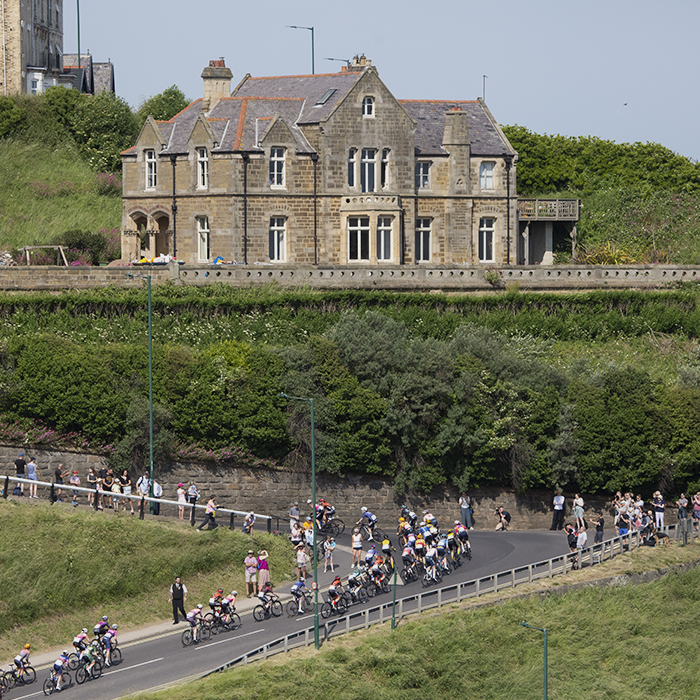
549, 209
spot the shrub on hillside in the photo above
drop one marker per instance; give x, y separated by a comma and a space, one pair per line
11, 116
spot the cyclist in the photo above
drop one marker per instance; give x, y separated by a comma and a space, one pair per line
335, 590
409, 516
431, 560
420, 548
316, 511
451, 541
80, 641
370, 520
266, 596
228, 604
88, 657
408, 556
109, 641
101, 627
463, 534
424, 530
371, 554
377, 572
328, 511
22, 659
58, 666
441, 546
430, 519
216, 601
386, 547
299, 590
193, 617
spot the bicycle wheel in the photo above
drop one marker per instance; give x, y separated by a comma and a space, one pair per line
216, 626
326, 611
371, 590
469, 553
438, 575
342, 606
362, 595
209, 617
276, 608
187, 638
73, 661
96, 670
379, 534
49, 686
235, 621
426, 580
10, 680
204, 632
115, 657
258, 613
66, 680
340, 526
29, 675
80, 675
292, 608
307, 604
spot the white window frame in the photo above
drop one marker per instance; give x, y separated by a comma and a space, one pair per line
202, 169
368, 107
423, 174
278, 239
486, 178
487, 231
352, 167
424, 230
278, 156
149, 158
385, 238
358, 238
384, 171
203, 239
368, 170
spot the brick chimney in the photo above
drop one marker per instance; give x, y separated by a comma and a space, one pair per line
217, 83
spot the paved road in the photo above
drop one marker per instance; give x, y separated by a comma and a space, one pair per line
161, 659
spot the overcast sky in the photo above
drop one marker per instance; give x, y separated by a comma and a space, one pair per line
625, 70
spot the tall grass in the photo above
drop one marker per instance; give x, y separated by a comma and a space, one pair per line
46, 191
59, 569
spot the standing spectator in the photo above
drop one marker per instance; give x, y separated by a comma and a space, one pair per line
328, 547
75, 481
465, 507
92, 484
294, 515
302, 562
578, 511
503, 518
157, 493
192, 494
107, 484
263, 569
181, 500
696, 511
125, 480
250, 564
297, 534
659, 504
623, 526
143, 484
210, 515
682, 504
558, 512
20, 467
178, 597
356, 547
99, 493
249, 523
599, 528
116, 493
31, 474
59, 475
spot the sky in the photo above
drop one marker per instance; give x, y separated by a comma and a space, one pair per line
623, 70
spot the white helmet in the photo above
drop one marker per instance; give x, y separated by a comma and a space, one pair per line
364, 509
85, 630
234, 593
199, 605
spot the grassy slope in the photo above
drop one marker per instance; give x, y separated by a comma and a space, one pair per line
603, 643
60, 569
26, 218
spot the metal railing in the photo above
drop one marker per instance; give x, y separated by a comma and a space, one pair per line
137, 498
549, 209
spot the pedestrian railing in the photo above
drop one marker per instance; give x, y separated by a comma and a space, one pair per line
447, 595
135, 498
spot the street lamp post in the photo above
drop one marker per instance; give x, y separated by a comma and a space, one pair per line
544, 630
315, 521
311, 29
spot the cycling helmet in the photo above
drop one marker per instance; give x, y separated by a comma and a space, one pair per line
64, 653
27, 646
219, 590
199, 605
105, 618
402, 520
115, 626
84, 630
364, 509
234, 593
456, 522
309, 501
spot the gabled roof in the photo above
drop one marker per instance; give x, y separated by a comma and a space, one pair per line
311, 88
485, 136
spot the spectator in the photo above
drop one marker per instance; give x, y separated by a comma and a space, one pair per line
107, 484
599, 528
659, 505
558, 512
181, 500
328, 547
503, 518
75, 481
297, 534
249, 523
192, 494
210, 515
99, 493
696, 511
125, 480
294, 515
623, 525
143, 484
20, 470
578, 511
582, 539
59, 475
465, 507
263, 569
302, 561
92, 484
178, 597
682, 504
31, 474
157, 493
250, 564
116, 493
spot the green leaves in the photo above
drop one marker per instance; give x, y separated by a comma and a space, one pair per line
162, 106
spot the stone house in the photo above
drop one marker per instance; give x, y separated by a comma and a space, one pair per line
326, 169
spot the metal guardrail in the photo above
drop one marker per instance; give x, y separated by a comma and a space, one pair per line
140, 500
448, 595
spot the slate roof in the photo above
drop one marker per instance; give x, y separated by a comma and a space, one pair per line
484, 135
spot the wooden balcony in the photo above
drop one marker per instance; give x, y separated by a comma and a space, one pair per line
549, 209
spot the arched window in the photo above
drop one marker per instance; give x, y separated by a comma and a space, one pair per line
368, 107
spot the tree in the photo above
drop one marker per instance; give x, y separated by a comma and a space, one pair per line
104, 126
11, 116
165, 105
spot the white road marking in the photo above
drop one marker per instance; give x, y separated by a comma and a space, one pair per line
230, 639
128, 668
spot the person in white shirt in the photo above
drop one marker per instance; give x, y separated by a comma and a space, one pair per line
558, 513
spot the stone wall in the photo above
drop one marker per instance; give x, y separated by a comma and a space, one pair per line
272, 491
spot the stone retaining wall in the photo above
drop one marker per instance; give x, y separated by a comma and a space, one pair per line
272, 491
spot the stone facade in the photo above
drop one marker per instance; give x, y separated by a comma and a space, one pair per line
272, 492
327, 169
31, 53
